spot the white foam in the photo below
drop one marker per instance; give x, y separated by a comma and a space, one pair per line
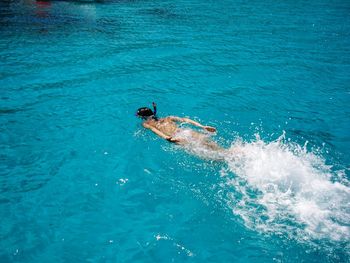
282, 188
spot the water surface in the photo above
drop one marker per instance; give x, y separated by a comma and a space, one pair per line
82, 181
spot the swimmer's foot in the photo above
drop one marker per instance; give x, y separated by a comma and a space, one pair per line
234, 152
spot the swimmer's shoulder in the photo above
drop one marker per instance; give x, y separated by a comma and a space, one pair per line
165, 120
148, 124
175, 119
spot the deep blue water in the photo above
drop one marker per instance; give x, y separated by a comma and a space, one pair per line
82, 181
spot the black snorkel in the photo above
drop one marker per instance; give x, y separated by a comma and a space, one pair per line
154, 111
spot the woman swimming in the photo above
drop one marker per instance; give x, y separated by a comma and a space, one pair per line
169, 128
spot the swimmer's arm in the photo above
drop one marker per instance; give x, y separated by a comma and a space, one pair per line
208, 128
158, 132
187, 120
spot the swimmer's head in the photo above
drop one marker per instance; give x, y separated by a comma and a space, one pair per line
146, 112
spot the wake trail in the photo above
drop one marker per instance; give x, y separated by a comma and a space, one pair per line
279, 187
282, 188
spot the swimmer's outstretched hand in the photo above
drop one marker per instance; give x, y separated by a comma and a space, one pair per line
209, 128
175, 140
171, 139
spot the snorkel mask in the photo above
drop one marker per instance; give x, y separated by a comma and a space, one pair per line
146, 112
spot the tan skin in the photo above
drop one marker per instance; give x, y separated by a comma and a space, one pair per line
167, 128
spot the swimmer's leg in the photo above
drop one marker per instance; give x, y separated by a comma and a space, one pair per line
195, 139
212, 145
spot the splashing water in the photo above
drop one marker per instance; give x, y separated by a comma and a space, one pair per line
282, 188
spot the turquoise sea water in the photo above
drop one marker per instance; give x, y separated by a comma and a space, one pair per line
82, 181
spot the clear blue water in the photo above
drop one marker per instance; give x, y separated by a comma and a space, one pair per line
82, 181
